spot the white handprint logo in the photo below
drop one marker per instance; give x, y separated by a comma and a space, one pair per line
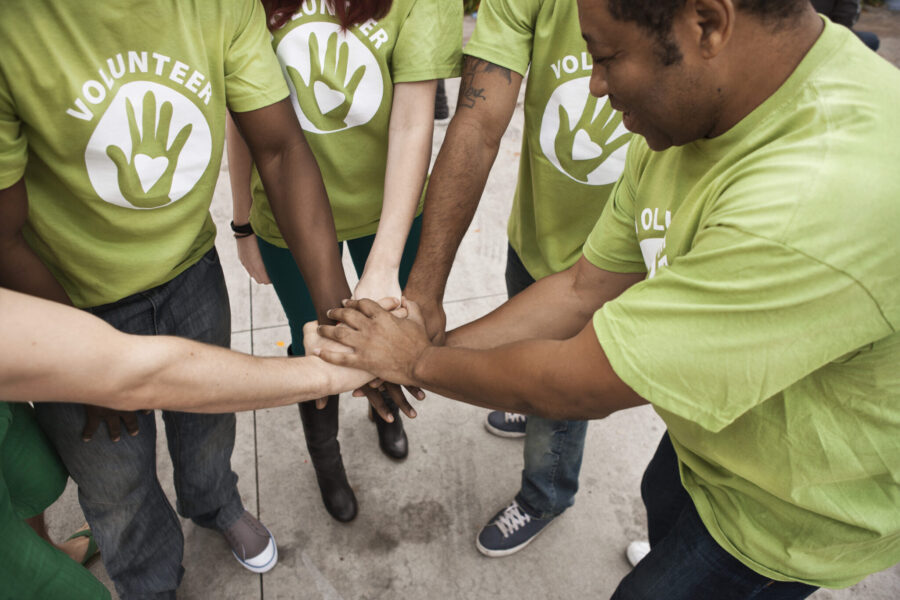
335, 79
583, 136
149, 149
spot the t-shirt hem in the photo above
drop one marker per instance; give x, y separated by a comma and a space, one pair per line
257, 101
706, 514
10, 178
445, 72
613, 266
496, 56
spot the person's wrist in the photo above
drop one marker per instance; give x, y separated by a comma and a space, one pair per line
420, 368
242, 230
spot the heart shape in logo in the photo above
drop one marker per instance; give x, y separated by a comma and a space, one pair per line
149, 169
327, 98
584, 148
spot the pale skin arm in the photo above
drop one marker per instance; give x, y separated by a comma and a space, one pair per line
409, 152
487, 100
23, 271
53, 353
567, 379
239, 168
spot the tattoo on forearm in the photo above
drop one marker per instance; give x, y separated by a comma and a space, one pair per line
469, 93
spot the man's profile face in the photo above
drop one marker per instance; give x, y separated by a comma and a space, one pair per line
669, 105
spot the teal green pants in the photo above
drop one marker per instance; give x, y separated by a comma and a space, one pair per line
31, 479
292, 291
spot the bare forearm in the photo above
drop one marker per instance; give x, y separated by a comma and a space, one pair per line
547, 378
239, 168
300, 206
555, 307
409, 152
179, 375
487, 100
297, 196
56, 353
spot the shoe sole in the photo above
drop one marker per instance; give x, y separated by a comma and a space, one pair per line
501, 553
503, 433
266, 567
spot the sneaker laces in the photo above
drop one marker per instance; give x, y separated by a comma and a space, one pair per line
512, 519
511, 417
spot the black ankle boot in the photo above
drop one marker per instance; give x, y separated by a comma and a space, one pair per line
391, 437
321, 427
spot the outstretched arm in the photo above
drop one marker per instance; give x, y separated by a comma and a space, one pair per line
555, 379
487, 100
409, 152
297, 195
556, 308
55, 353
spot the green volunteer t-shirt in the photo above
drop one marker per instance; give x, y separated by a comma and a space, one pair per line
342, 88
766, 333
114, 113
573, 145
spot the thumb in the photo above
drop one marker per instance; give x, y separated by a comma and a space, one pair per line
389, 303
413, 310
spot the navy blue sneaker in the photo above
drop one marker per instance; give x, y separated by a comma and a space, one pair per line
509, 531
506, 424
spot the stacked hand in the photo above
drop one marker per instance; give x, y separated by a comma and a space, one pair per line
381, 343
315, 344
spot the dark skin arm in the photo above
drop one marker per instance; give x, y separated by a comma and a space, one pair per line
20, 267
555, 307
296, 193
487, 100
567, 379
21, 270
297, 196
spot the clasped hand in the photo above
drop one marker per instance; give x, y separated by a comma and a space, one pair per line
378, 391
372, 339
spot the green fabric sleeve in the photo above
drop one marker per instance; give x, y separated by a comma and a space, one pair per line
613, 245
429, 43
504, 33
732, 323
13, 145
253, 77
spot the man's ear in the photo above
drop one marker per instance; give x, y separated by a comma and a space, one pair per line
713, 22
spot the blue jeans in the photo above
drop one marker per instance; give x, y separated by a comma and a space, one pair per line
685, 562
133, 523
553, 449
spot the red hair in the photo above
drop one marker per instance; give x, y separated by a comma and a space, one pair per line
349, 12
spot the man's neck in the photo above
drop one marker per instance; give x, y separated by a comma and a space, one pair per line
762, 61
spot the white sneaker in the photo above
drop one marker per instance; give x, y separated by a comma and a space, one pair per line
252, 544
636, 551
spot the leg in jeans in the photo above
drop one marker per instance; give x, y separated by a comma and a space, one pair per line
133, 523
685, 562
201, 445
31, 479
661, 490
553, 449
